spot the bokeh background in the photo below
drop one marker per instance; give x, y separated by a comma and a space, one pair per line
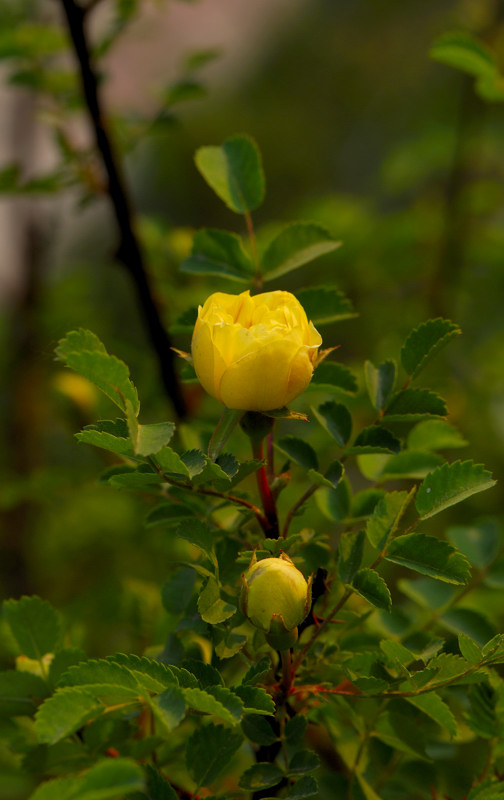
359, 130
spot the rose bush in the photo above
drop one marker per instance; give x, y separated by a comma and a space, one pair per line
255, 353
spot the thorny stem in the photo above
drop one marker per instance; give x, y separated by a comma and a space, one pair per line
302, 500
129, 252
268, 501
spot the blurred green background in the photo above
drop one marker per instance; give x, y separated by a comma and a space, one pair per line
359, 130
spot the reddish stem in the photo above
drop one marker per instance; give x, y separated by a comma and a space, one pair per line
268, 501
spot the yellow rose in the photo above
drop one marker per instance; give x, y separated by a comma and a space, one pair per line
254, 353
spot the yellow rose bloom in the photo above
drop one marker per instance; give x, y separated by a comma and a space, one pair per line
254, 353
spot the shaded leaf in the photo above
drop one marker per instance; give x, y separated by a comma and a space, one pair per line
20, 693
329, 376
373, 588
450, 484
218, 253
210, 605
296, 245
424, 342
209, 751
429, 556
260, 776
479, 542
255, 700
234, 172
336, 419
258, 730
374, 440
468, 621
110, 778
410, 464
169, 707
303, 761
298, 451
325, 304
304, 787
380, 382
434, 434
435, 708
65, 712
386, 517
34, 624
415, 404
350, 551
469, 649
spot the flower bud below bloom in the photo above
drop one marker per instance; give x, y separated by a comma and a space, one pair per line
254, 353
276, 598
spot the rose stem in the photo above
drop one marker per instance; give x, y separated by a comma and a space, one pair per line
268, 501
286, 669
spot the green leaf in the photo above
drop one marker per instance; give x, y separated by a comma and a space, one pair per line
100, 671
396, 652
479, 542
171, 463
143, 478
429, 556
397, 732
260, 776
110, 435
20, 693
410, 464
464, 51
298, 451
336, 419
350, 551
258, 730
151, 674
218, 253
435, 708
365, 502
303, 761
169, 707
183, 90
157, 787
199, 534
469, 649
210, 605
424, 342
209, 751
329, 376
481, 717
106, 780
215, 700
470, 622
325, 304
450, 484
177, 591
415, 404
380, 382
386, 517
255, 700
205, 673
151, 438
256, 672
296, 245
372, 588
334, 503
65, 712
34, 624
374, 440
427, 592
83, 352
434, 434
234, 172
304, 787
169, 514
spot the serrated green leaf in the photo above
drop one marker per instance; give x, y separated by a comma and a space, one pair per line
330, 376
100, 671
195, 462
464, 51
171, 463
63, 660
415, 404
374, 440
177, 591
20, 693
215, 700
199, 534
334, 503
304, 787
257, 671
142, 478
383, 524
169, 707
469, 649
336, 419
258, 729
435, 708
83, 352
211, 606
481, 716
218, 253
427, 592
234, 171
209, 751
380, 382
410, 464
365, 502
110, 435
260, 776
303, 761
255, 700
372, 588
205, 673
350, 551
169, 514
434, 434
151, 438
157, 787
479, 542
34, 624
429, 556
397, 652
64, 713
397, 731
106, 780
450, 484
298, 451
325, 304
151, 674
424, 342
296, 245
